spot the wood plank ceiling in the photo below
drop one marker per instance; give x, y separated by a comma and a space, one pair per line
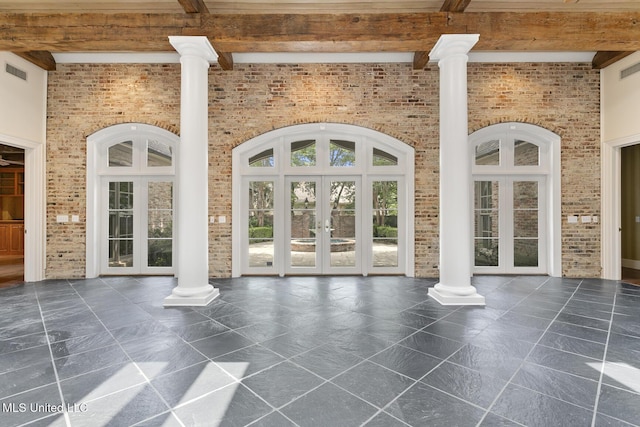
34, 29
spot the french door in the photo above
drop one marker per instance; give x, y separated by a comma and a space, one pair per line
509, 225
322, 231
137, 225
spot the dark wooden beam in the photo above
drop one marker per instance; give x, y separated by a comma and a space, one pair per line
604, 58
41, 58
420, 59
225, 60
399, 32
194, 6
454, 5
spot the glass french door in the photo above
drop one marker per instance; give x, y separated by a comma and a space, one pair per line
137, 226
509, 225
322, 226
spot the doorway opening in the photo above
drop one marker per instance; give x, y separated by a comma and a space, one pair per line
630, 213
516, 200
131, 220
323, 199
11, 215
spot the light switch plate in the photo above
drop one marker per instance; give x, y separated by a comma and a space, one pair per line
222, 219
62, 218
585, 218
572, 219
75, 218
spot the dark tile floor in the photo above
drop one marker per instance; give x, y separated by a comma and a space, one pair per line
311, 351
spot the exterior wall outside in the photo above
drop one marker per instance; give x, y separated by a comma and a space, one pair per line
390, 98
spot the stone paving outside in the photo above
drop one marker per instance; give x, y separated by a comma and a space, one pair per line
383, 255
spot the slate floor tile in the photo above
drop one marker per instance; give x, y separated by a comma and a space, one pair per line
423, 405
620, 404
530, 408
233, 405
282, 383
327, 360
323, 351
406, 361
465, 383
187, 384
311, 409
373, 383
248, 361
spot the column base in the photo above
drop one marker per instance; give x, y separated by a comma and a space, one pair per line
455, 295
183, 298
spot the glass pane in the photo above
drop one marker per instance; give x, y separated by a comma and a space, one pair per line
261, 244
525, 195
160, 195
121, 195
160, 253
159, 154
343, 223
525, 223
303, 222
385, 223
121, 253
342, 153
160, 224
121, 155
525, 252
303, 153
262, 160
525, 154
486, 252
382, 158
120, 224
486, 223
488, 153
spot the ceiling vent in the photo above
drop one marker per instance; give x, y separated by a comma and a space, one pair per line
629, 70
16, 72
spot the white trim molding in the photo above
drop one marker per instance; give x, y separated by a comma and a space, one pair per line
611, 199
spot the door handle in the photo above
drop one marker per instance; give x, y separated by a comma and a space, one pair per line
327, 226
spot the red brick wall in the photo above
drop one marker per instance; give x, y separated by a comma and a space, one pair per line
254, 99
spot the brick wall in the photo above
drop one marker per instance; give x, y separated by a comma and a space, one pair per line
254, 99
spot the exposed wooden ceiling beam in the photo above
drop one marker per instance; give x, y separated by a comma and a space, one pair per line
535, 31
421, 58
454, 5
194, 6
604, 59
41, 58
225, 60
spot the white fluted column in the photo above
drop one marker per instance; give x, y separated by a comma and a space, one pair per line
456, 236
193, 193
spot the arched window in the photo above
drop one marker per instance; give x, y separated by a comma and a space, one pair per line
130, 209
323, 199
516, 204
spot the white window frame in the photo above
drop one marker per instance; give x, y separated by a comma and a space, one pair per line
366, 140
549, 167
98, 170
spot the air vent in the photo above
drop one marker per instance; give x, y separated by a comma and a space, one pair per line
630, 70
16, 72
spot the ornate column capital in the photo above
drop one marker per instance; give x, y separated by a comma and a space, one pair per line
194, 46
453, 45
